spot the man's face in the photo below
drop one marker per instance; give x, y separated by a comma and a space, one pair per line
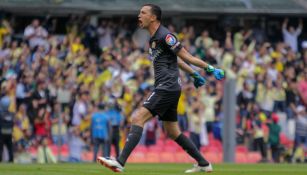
145, 17
293, 85
205, 33
85, 96
291, 29
35, 23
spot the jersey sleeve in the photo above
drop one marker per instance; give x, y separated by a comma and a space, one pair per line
172, 43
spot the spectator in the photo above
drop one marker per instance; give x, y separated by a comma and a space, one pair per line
272, 73
182, 116
21, 91
101, 131
59, 125
6, 127
151, 130
280, 96
196, 123
240, 37
5, 30
204, 41
300, 130
40, 96
244, 101
104, 32
302, 87
263, 55
22, 127
44, 153
29, 85
140, 38
259, 143
75, 144
265, 97
22, 156
117, 120
80, 108
291, 101
90, 35
41, 123
209, 100
63, 93
274, 131
77, 46
291, 34
36, 35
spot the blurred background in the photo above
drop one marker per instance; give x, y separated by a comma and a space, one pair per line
73, 71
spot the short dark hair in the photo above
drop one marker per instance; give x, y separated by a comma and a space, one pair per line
156, 10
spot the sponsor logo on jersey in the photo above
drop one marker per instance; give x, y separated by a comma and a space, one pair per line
170, 39
153, 45
154, 53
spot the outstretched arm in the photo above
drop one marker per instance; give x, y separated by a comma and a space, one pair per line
299, 28
184, 66
300, 24
175, 46
284, 25
198, 79
187, 57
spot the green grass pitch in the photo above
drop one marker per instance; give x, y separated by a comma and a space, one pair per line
152, 169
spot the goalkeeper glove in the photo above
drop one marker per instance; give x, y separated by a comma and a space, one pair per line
219, 74
198, 79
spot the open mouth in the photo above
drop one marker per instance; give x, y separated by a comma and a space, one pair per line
140, 23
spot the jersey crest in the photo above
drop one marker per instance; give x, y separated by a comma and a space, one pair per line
170, 39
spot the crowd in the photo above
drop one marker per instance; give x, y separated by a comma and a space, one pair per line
80, 89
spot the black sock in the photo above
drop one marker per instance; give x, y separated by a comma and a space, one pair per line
191, 149
133, 139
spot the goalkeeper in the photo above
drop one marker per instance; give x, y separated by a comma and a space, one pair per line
163, 101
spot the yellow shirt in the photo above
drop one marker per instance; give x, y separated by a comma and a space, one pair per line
86, 123
196, 121
279, 66
16, 54
52, 61
227, 60
128, 103
143, 62
103, 77
75, 47
238, 41
258, 133
209, 112
181, 36
181, 109
18, 130
86, 79
3, 31
280, 94
276, 55
17, 134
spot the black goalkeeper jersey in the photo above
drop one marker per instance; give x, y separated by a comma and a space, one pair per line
163, 48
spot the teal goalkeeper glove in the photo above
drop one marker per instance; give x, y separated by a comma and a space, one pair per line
198, 79
219, 74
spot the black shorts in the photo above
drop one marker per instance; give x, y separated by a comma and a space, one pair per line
164, 104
